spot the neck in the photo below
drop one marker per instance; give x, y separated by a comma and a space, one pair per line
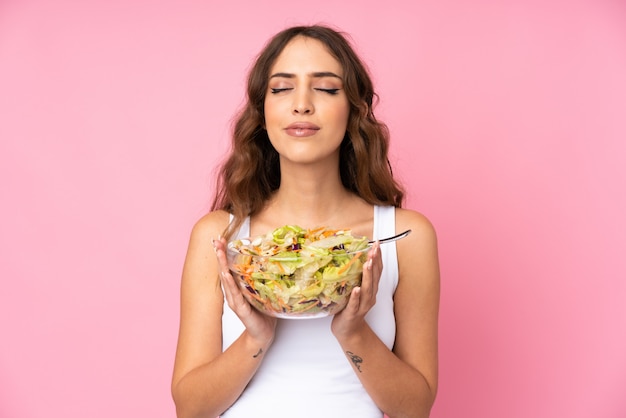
310, 195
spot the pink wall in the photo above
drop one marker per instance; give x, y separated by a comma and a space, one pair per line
509, 128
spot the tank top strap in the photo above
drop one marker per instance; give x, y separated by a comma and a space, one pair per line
384, 221
244, 229
385, 226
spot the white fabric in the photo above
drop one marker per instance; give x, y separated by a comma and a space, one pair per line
305, 373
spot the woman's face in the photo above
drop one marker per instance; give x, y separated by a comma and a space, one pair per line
306, 108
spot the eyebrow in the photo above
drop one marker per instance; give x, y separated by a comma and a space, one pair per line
319, 74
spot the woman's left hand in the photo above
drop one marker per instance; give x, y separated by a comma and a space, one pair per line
362, 298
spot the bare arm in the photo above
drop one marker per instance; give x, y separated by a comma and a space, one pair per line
403, 383
205, 380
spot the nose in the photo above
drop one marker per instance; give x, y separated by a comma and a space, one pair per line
302, 104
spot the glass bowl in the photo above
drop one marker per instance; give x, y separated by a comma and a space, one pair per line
301, 280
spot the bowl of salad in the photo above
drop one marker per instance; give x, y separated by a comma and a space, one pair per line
292, 272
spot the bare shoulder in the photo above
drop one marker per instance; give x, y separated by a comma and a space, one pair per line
418, 259
422, 230
210, 225
201, 266
200, 263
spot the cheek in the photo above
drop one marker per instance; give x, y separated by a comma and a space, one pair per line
272, 125
343, 115
268, 116
271, 111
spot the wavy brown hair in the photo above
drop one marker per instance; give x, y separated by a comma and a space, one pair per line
251, 172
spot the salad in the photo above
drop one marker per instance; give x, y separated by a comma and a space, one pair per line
295, 272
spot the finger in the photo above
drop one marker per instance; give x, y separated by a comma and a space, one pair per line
234, 295
228, 289
228, 281
366, 280
220, 251
352, 308
233, 292
369, 280
376, 270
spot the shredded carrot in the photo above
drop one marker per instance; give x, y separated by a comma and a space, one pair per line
348, 264
311, 306
314, 230
282, 303
249, 280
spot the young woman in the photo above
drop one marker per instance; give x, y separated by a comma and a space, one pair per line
307, 150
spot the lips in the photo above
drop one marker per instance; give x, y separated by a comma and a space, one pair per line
302, 129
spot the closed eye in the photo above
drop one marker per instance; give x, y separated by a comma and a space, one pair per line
276, 90
329, 91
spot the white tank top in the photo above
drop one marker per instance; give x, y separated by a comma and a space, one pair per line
305, 373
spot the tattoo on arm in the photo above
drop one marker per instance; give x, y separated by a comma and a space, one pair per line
356, 360
258, 353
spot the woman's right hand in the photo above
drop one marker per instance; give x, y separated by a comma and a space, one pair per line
259, 326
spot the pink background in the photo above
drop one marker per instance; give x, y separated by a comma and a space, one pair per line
509, 128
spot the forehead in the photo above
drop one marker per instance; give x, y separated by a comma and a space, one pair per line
306, 55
